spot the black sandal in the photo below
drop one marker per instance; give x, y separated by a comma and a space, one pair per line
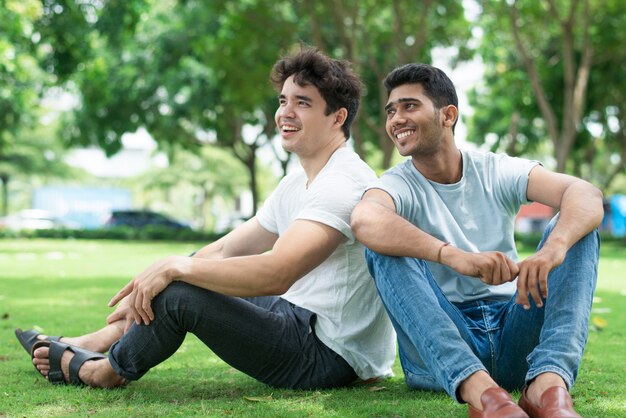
55, 375
29, 338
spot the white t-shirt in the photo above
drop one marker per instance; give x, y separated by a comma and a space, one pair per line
351, 319
476, 214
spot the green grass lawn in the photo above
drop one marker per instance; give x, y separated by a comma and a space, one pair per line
64, 286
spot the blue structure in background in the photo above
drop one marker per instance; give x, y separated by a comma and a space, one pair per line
617, 216
82, 207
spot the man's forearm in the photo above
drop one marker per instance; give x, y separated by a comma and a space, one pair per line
213, 251
235, 276
382, 230
580, 212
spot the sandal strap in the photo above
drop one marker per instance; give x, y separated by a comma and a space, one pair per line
80, 357
55, 353
29, 338
56, 350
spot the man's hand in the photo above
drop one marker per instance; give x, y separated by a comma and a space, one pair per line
533, 275
122, 313
140, 291
491, 267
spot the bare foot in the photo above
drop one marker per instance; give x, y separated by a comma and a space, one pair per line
540, 384
94, 373
473, 387
99, 341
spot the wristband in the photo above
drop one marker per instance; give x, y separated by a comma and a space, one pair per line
440, 250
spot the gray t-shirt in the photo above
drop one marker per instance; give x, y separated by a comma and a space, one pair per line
477, 214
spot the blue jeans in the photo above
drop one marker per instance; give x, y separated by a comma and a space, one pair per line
267, 338
443, 343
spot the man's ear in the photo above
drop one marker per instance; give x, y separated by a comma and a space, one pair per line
450, 114
340, 116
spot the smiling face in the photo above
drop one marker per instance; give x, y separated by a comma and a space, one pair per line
414, 124
301, 120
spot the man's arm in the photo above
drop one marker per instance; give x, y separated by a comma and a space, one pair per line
376, 224
580, 211
247, 239
304, 246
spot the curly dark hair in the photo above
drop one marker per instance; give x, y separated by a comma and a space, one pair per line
437, 85
335, 80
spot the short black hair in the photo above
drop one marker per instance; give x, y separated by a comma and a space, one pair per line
334, 78
437, 85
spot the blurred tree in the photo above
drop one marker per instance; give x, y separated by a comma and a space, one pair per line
26, 149
601, 152
376, 37
36, 153
245, 46
556, 83
212, 172
192, 73
84, 43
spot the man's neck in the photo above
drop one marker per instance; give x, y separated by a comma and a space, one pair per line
444, 167
313, 164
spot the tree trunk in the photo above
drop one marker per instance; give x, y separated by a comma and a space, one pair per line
4, 178
251, 165
357, 139
386, 145
576, 77
511, 148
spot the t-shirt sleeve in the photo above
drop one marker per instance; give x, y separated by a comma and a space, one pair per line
266, 216
512, 176
331, 201
397, 187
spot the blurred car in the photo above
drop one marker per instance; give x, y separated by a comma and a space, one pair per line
141, 218
31, 219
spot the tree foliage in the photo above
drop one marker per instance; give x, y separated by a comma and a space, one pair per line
211, 174
26, 148
551, 83
376, 37
192, 73
195, 73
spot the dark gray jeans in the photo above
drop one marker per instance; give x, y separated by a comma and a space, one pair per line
267, 338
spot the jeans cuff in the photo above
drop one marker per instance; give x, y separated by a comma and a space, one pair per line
569, 381
118, 369
456, 383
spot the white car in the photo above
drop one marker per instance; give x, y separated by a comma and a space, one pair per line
31, 219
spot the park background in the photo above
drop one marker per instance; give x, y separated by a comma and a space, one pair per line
169, 102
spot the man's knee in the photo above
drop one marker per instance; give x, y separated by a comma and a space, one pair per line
592, 238
370, 259
177, 294
177, 289
377, 263
370, 255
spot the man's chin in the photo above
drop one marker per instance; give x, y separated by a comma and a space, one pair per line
287, 146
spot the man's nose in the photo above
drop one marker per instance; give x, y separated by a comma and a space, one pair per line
397, 119
286, 110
